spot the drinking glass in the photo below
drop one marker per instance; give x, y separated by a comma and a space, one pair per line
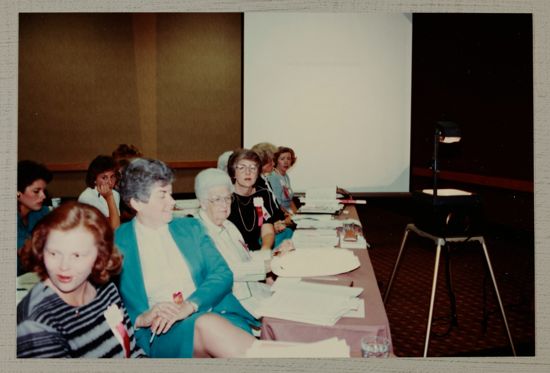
375, 346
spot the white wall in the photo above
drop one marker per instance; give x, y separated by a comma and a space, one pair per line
336, 88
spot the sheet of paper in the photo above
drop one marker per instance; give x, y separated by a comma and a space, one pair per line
241, 290
309, 287
314, 308
329, 348
359, 312
315, 238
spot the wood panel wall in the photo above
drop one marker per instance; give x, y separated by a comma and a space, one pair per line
168, 83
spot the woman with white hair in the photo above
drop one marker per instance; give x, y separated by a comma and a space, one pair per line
214, 189
222, 160
174, 282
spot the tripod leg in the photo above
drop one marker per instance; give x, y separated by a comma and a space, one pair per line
387, 292
432, 299
498, 294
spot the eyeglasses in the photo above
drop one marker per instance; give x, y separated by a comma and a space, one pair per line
221, 200
242, 168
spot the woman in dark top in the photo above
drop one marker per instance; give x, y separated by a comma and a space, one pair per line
253, 210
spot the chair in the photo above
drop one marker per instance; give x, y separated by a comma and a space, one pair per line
435, 222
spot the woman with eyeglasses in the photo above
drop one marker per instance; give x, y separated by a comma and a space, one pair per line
174, 282
213, 189
253, 210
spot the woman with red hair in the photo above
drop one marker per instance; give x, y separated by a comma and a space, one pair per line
74, 311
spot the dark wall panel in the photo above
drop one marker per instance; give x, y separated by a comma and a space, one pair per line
476, 70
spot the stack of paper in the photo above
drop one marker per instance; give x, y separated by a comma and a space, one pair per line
313, 262
320, 200
317, 221
328, 348
314, 238
320, 206
310, 303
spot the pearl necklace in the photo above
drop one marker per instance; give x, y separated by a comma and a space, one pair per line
241, 214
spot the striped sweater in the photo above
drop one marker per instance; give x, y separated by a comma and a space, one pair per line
49, 327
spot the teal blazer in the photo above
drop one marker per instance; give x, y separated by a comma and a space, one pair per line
212, 277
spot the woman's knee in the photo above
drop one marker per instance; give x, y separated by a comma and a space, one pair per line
207, 323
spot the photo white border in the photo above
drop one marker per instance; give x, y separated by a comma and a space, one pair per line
9, 11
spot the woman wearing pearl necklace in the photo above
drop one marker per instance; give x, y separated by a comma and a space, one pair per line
253, 210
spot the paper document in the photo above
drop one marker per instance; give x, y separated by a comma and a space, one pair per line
241, 290
317, 221
328, 348
313, 303
320, 200
309, 307
359, 312
259, 292
282, 284
315, 238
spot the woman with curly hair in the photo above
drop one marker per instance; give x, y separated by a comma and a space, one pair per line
74, 311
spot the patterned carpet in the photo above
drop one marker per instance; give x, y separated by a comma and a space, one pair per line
512, 258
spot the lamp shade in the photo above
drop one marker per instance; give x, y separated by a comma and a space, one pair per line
447, 132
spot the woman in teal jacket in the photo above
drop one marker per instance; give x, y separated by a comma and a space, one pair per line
175, 284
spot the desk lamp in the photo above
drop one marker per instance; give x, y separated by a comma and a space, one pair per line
445, 132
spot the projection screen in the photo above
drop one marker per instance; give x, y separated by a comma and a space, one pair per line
336, 88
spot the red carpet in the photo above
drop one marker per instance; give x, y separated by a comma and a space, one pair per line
407, 307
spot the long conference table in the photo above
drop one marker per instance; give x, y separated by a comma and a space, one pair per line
352, 329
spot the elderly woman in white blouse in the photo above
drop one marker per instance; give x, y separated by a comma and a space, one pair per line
214, 189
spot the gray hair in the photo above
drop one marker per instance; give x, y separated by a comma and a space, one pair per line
222, 160
210, 178
140, 176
